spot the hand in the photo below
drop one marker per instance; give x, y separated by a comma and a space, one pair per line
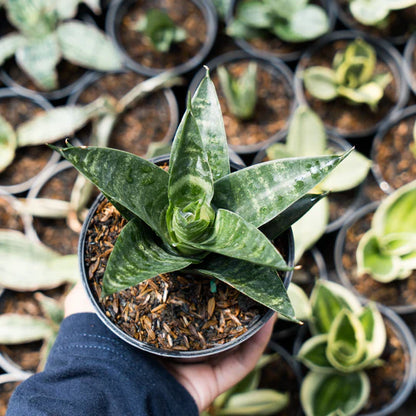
77, 301
207, 380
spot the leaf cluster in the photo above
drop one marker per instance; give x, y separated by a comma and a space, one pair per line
346, 339
352, 76
290, 20
47, 33
387, 251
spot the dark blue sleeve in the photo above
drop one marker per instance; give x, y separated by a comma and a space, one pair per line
91, 372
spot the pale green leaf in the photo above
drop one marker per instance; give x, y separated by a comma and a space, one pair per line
20, 329
286, 8
369, 12
8, 143
400, 4
320, 82
370, 93
278, 151
313, 354
51, 308
375, 331
67, 9
9, 44
300, 302
254, 14
44, 207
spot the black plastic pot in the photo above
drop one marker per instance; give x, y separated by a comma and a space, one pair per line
275, 67
385, 52
298, 48
187, 356
343, 274
45, 105
385, 186
409, 60
119, 8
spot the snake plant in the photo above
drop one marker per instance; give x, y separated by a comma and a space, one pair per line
47, 33
199, 215
352, 76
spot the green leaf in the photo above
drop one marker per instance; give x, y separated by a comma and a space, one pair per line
207, 112
28, 266
87, 46
238, 29
313, 354
261, 192
278, 151
260, 283
8, 143
300, 302
38, 58
320, 82
9, 44
375, 331
369, 12
286, 8
130, 181
137, 256
324, 394
20, 329
68, 9
254, 14
370, 93
44, 207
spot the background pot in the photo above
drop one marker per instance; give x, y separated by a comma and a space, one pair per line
386, 53
118, 9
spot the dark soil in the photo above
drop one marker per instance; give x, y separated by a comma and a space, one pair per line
393, 155
396, 293
147, 121
273, 108
174, 311
184, 14
29, 161
339, 113
9, 217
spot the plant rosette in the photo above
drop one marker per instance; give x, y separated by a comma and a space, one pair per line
352, 117
153, 119
154, 36
409, 55
262, 29
393, 151
269, 88
396, 291
360, 356
375, 18
20, 162
178, 234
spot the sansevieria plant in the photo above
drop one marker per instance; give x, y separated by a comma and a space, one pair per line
198, 215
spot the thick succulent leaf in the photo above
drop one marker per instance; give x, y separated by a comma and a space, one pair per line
27, 266
300, 302
257, 282
370, 93
44, 207
369, 12
321, 82
8, 143
325, 394
278, 151
256, 402
87, 46
239, 29
375, 331
130, 181
290, 215
313, 354
68, 9
53, 125
261, 192
254, 13
306, 135
286, 8
399, 4
137, 256
327, 300
9, 45
38, 58
349, 174
398, 244
20, 329
237, 238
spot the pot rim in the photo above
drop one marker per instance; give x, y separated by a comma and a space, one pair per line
187, 356
274, 66
338, 250
284, 56
381, 133
112, 21
385, 51
410, 47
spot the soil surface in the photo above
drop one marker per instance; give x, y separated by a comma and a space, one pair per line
9, 217
184, 14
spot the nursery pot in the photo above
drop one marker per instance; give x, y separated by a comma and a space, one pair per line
118, 9
355, 122
183, 355
274, 107
394, 164
365, 286
410, 62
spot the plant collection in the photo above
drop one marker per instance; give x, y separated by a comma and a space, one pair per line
288, 187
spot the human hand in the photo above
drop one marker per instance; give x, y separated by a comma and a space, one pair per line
207, 380
77, 301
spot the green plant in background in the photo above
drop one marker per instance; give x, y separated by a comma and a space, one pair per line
199, 216
289, 20
45, 36
222, 7
246, 398
240, 92
159, 28
346, 339
376, 12
307, 137
352, 76
387, 251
